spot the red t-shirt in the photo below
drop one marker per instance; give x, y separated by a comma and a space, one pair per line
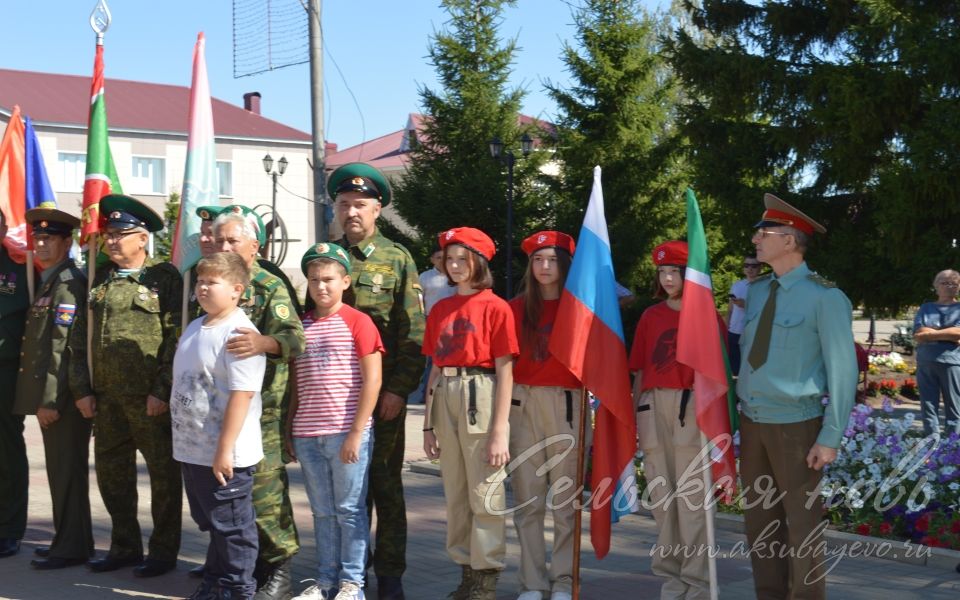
328, 371
655, 349
535, 365
470, 331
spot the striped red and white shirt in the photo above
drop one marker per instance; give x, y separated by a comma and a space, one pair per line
328, 371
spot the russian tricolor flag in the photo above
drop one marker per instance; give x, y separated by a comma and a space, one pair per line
588, 338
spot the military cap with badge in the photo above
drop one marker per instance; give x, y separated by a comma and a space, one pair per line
360, 177
51, 221
124, 212
325, 250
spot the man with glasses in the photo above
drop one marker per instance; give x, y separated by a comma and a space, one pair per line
735, 315
798, 346
135, 311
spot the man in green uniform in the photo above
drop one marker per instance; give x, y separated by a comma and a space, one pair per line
280, 337
134, 309
798, 345
14, 301
42, 388
386, 287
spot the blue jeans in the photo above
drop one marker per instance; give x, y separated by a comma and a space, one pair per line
338, 499
935, 379
419, 396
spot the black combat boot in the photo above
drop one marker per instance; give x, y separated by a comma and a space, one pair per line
277, 584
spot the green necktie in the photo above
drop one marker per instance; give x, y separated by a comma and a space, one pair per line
761, 339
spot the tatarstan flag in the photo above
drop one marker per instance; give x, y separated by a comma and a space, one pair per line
13, 187
101, 176
700, 346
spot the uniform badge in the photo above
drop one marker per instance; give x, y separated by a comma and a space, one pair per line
282, 311
115, 215
661, 254
43, 224
65, 314
205, 215
321, 248
541, 239
236, 210
377, 282
357, 181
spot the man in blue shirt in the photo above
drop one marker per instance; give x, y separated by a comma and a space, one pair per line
797, 346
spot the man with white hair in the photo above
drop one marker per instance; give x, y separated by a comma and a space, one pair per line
279, 335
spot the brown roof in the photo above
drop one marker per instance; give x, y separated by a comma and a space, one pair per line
51, 99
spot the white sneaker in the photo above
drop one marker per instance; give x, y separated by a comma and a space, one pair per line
530, 596
561, 596
350, 591
314, 592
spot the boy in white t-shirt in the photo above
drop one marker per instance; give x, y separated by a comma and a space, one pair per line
215, 415
337, 381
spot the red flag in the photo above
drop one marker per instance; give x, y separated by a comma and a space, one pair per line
13, 187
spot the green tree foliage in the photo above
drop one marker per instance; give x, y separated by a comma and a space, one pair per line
163, 240
851, 111
619, 113
452, 180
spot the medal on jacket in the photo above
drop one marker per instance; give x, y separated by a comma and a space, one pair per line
8, 283
377, 282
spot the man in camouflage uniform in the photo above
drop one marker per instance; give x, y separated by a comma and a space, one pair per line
14, 302
135, 311
42, 388
386, 287
269, 306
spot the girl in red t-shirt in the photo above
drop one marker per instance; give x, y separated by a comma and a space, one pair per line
544, 418
472, 341
668, 434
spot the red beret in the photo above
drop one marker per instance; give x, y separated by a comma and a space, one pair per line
548, 239
670, 253
470, 238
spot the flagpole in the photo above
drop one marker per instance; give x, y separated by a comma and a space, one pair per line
184, 320
30, 275
578, 513
709, 506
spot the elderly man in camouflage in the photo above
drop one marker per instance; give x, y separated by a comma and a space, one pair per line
268, 305
135, 307
386, 287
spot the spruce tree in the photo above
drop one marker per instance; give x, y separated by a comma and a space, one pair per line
452, 179
618, 113
851, 111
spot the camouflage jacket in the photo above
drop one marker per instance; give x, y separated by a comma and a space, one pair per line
386, 286
268, 305
134, 323
45, 359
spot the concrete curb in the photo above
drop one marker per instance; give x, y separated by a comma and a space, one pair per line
852, 543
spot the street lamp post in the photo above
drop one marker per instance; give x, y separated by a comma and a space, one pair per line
281, 169
508, 158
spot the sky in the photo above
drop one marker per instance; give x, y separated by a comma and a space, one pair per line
380, 47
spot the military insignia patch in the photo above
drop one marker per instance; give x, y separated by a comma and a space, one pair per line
322, 248
282, 311
65, 314
115, 214
357, 181
205, 215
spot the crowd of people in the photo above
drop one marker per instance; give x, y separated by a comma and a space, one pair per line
220, 398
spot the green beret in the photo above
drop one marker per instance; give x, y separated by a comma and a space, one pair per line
251, 215
45, 219
208, 213
325, 250
360, 177
125, 212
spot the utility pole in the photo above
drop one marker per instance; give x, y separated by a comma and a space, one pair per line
316, 113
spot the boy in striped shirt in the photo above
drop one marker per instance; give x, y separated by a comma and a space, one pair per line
329, 431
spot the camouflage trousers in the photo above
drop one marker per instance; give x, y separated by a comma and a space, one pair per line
276, 529
13, 459
120, 428
386, 495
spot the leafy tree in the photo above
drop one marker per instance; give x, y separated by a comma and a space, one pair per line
452, 180
619, 113
851, 111
163, 240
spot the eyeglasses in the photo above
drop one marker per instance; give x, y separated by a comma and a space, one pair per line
117, 236
762, 232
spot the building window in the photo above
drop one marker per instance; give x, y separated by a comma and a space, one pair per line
225, 177
72, 169
149, 175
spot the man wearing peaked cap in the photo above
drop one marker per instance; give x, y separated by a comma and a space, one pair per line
385, 285
798, 344
42, 388
207, 216
471, 239
135, 303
